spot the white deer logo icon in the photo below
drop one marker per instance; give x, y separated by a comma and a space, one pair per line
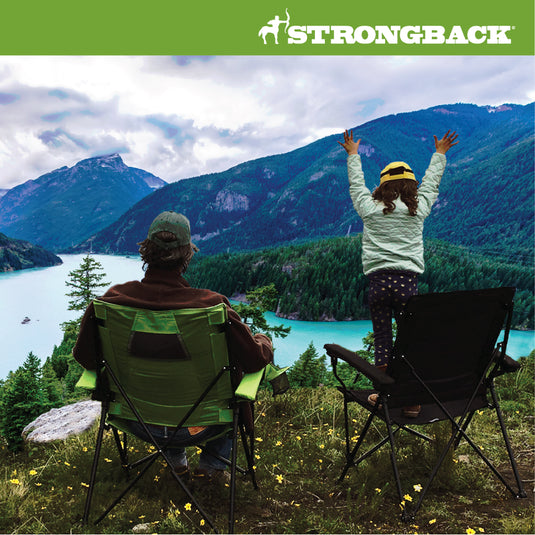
273, 27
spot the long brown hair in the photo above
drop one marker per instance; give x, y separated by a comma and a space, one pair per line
177, 258
390, 190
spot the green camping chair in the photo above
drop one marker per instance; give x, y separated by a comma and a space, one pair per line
168, 368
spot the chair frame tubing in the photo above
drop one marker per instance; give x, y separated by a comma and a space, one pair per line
458, 431
161, 450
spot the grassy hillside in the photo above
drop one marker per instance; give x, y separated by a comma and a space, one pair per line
299, 455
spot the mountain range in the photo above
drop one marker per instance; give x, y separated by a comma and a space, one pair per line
64, 207
485, 201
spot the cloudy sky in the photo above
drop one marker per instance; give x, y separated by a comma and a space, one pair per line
179, 117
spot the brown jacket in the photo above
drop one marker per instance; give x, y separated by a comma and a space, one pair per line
167, 290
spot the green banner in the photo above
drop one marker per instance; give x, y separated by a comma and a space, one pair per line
294, 27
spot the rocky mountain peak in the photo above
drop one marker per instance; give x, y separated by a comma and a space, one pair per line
112, 161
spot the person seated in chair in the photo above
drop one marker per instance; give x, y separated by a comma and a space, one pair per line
166, 254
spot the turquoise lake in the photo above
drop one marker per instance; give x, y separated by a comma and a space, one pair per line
39, 294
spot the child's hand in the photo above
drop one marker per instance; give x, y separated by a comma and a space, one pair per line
444, 145
351, 147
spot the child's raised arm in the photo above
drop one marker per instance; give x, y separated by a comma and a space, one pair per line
443, 145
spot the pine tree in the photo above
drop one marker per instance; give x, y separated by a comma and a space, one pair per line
259, 301
309, 369
84, 281
23, 400
51, 385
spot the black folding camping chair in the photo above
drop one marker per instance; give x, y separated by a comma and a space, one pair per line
445, 358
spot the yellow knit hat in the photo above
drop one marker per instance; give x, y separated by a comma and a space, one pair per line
397, 171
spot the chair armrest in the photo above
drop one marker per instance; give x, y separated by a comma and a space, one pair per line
249, 384
506, 364
88, 380
378, 377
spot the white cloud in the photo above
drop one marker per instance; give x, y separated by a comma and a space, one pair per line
181, 117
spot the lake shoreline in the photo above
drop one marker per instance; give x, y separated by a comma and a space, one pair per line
39, 294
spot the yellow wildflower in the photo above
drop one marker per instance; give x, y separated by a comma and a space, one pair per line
33, 472
84, 485
433, 520
320, 460
378, 490
84, 448
257, 456
66, 463
322, 446
417, 488
470, 531
258, 439
279, 443
141, 516
38, 484
297, 437
202, 522
407, 497
108, 460
14, 481
187, 507
481, 530
279, 478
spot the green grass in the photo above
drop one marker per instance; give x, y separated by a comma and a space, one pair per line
299, 456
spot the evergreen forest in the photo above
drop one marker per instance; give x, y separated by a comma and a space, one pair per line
323, 280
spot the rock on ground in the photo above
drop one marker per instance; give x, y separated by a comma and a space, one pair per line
59, 424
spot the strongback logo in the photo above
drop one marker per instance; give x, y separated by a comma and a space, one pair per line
382, 35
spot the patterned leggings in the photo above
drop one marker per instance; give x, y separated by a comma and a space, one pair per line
389, 291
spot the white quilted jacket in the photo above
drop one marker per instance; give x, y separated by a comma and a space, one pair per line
393, 241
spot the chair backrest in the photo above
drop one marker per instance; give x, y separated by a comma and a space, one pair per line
164, 360
449, 340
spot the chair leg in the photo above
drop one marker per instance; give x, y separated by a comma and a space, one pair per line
121, 448
98, 446
465, 425
521, 492
346, 426
234, 456
351, 456
392, 450
127, 489
249, 454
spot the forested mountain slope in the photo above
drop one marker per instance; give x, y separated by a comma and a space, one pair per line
323, 280
485, 202
19, 254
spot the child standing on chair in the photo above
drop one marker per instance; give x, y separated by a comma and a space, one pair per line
392, 240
